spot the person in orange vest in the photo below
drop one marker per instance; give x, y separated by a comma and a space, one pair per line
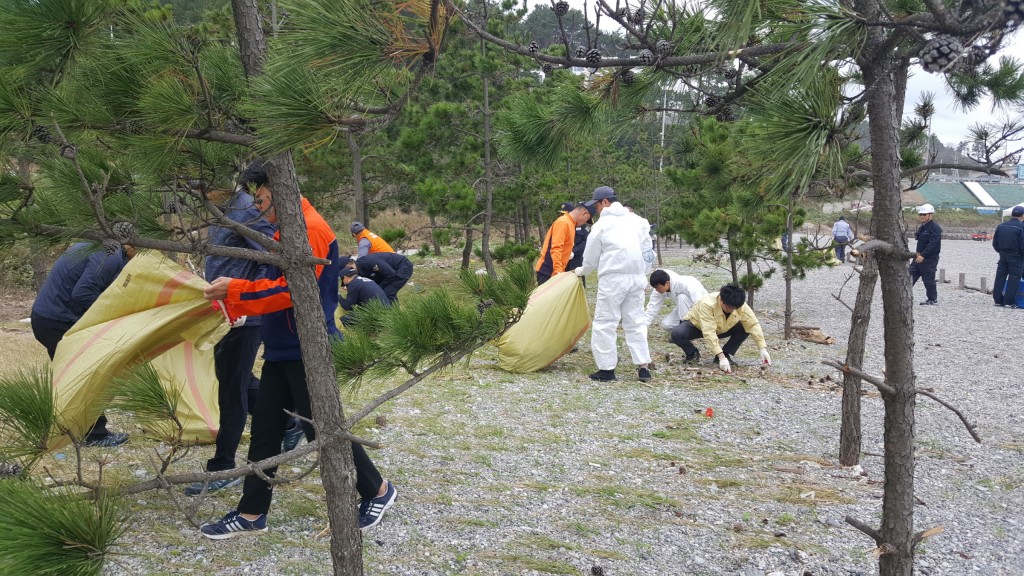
558, 245
368, 241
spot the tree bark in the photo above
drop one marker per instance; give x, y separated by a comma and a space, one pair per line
362, 211
467, 250
337, 469
885, 80
252, 42
433, 235
485, 236
850, 429
787, 330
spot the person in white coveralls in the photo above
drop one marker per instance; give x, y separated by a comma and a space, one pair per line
682, 291
620, 249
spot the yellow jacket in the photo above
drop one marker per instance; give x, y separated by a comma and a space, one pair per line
707, 315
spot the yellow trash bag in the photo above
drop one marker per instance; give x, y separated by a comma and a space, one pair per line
556, 317
153, 311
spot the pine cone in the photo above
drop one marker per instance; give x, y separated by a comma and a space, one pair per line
111, 246
638, 16
593, 57
8, 469
547, 68
729, 73
623, 13
627, 77
940, 53
712, 101
533, 48
581, 52
726, 115
664, 47
69, 151
123, 231
1014, 11
646, 57
561, 8
42, 133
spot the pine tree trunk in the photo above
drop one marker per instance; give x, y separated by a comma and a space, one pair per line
885, 78
467, 250
337, 469
336, 466
850, 430
485, 236
358, 193
787, 331
433, 235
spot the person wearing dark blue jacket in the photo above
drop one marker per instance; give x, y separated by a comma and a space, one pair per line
358, 291
390, 270
283, 379
77, 279
926, 261
1008, 240
235, 355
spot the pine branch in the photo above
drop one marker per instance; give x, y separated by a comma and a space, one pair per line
884, 388
970, 427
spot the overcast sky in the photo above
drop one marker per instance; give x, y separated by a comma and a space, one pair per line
949, 123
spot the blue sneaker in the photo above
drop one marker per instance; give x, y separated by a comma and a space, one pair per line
233, 524
110, 440
371, 511
292, 436
211, 486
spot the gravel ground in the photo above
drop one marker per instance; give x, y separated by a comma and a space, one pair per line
550, 473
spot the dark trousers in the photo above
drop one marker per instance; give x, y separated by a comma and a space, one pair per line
841, 251
542, 278
233, 358
1009, 270
49, 333
391, 288
926, 272
686, 331
283, 387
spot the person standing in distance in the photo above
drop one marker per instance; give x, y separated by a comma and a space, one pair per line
1008, 241
841, 234
368, 242
619, 248
926, 260
559, 242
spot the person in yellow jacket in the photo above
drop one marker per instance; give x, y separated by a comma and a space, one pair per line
559, 242
368, 241
718, 315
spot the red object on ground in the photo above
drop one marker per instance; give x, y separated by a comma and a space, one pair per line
709, 412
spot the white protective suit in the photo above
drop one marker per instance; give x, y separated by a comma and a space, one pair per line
683, 292
619, 247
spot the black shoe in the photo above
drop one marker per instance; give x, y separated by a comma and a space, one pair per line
111, 440
603, 375
999, 305
643, 374
1013, 306
930, 303
694, 359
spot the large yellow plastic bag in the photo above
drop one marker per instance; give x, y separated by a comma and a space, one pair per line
556, 317
154, 307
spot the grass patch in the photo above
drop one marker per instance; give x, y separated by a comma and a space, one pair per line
645, 454
713, 457
685, 430
623, 497
722, 482
516, 563
809, 494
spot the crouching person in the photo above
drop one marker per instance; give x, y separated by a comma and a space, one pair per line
722, 314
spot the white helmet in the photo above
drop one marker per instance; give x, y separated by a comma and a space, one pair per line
926, 209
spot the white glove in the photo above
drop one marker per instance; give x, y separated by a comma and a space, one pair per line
724, 365
578, 271
240, 321
765, 358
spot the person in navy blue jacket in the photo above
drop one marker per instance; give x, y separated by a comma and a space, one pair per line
77, 279
1008, 240
390, 270
359, 291
926, 261
235, 355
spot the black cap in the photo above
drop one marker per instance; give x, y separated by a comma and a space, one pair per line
254, 175
1017, 211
